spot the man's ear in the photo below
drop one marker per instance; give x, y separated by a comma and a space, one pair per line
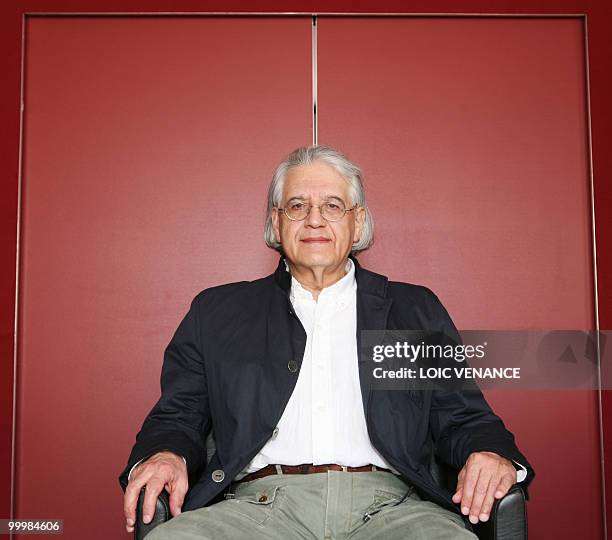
275, 223
360, 214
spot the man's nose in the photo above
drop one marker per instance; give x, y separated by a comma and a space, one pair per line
314, 217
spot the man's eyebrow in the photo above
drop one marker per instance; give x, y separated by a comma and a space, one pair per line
334, 197
325, 197
304, 198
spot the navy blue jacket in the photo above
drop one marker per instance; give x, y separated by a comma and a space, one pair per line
234, 361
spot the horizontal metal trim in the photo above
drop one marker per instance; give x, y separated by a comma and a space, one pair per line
294, 14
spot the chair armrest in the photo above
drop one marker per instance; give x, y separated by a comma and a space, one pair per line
508, 520
162, 514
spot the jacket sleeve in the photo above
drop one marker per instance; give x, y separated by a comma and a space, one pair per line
462, 421
180, 420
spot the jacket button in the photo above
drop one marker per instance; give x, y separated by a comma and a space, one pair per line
263, 498
292, 366
218, 475
275, 433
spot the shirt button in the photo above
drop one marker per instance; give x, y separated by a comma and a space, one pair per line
275, 433
218, 475
292, 366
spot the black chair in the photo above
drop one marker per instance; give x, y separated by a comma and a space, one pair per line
508, 520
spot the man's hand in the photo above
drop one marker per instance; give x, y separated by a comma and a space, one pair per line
162, 470
486, 476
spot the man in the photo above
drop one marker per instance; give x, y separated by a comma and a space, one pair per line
304, 447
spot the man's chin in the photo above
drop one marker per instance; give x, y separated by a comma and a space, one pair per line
317, 260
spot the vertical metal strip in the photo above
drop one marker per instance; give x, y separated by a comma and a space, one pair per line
17, 267
315, 126
595, 283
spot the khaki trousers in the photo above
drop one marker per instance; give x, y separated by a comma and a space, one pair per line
334, 505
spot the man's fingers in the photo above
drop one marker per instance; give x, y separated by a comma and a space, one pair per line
459, 488
152, 491
485, 510
504, 485
177, 496
480, 492
129, 508
176, 503
488, 476
130, 500
163, 468
471, 479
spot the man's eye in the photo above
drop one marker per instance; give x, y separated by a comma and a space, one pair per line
297, 206
332, 206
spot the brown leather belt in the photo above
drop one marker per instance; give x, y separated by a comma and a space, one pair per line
306, 468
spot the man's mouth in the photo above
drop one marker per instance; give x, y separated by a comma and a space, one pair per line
317, 239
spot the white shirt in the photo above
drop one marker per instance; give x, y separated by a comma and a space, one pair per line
324, 421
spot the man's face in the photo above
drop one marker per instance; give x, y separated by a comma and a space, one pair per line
315, 242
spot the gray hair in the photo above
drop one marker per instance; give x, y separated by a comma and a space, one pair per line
346, 168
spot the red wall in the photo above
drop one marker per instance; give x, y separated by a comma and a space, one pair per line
472, 133
134, 201
599, 19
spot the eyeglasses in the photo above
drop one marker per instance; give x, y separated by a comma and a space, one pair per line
330, 210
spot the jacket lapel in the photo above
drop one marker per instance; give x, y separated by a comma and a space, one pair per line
373, 307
